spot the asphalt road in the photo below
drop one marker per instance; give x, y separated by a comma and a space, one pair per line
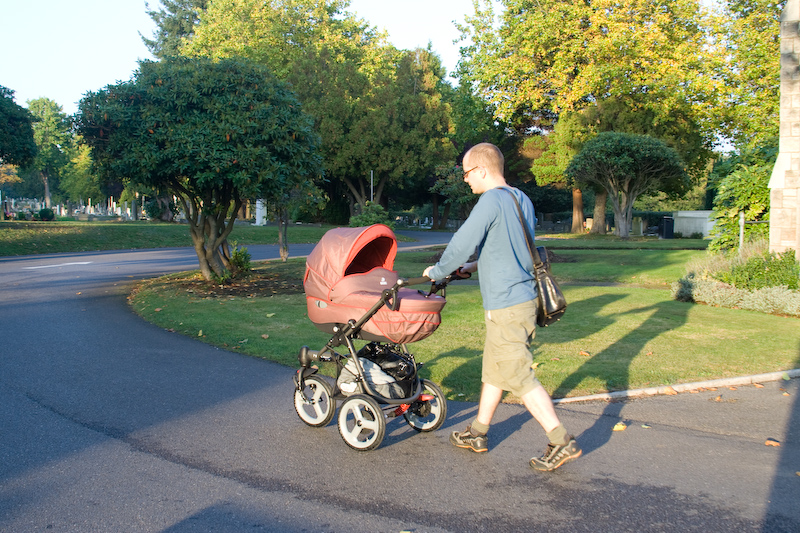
108, 423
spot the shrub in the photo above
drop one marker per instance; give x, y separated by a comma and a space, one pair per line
752, 279
47, 214
240, 259
371, 214
768, 270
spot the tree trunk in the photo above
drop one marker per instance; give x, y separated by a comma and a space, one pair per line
445, 216
46, 181
577, 211
283, 240
435, 224
599, 214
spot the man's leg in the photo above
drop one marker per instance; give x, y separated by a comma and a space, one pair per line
474, 437
540, 405
491, 397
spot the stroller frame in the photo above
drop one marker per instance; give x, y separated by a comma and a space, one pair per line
362, 416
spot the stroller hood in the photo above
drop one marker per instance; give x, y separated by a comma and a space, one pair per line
345, 251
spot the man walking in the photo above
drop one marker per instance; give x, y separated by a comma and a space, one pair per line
510, 302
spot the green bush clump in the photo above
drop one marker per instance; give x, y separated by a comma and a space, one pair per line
371, 214
47, 214
769, 270
240, 260
754, 279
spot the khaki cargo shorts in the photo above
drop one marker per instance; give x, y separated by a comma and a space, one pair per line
507, 357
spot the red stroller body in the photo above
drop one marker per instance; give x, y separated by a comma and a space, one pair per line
346, 274
353, 294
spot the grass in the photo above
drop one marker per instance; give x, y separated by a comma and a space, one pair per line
626, 335
621, 329
25, 238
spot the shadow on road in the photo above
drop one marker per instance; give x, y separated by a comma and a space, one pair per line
787, 476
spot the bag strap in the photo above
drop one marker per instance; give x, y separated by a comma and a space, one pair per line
537, 260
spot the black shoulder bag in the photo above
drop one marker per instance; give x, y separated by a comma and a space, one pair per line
552, 303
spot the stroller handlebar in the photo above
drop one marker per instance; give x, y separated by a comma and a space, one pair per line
436, 286
416, 281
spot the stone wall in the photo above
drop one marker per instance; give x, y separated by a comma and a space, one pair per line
784, 228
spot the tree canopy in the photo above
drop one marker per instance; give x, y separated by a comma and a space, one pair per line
17, 146
628, 165
376, 108
212, 133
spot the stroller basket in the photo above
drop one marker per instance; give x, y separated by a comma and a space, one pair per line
346, 275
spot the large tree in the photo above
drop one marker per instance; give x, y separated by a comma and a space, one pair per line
17, 146
377, 109
175, 21
628, 165
749, 35
538, 60
53, 136
212, 133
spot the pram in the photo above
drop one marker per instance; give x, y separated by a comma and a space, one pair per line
353, 294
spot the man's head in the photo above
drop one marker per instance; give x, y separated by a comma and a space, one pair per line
483, 167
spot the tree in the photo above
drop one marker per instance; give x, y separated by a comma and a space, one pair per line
628, 165
377, 109
742, 185
53, 136
538, 61
175, 21
79, 182
749, 35
212, 133
17, 146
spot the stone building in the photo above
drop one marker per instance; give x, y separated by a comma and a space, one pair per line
784, 227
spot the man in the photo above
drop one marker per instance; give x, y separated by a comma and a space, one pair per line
510, 302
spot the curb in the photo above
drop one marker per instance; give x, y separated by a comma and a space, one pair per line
683, 387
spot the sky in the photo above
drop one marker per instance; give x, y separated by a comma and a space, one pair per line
62, 49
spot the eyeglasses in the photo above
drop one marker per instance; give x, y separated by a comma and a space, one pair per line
470, 170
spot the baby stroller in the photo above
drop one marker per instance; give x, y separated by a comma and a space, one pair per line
353, 294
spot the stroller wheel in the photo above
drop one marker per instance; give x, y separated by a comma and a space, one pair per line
318, 406
361, 423
429, 415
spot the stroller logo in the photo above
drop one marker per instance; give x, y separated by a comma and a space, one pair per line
383, 281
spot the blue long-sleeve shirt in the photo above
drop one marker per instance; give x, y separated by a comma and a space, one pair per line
504, 262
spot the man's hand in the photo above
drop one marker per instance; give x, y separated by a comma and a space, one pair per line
425, 272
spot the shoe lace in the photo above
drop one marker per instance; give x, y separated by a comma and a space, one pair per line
548, 453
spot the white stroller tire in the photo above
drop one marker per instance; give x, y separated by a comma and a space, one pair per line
361, 423
428, 417
318, 406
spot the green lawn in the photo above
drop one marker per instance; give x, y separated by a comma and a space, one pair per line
24, 238
621, 329
614, 336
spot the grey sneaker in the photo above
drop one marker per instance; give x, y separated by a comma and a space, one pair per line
465, 439
555, 456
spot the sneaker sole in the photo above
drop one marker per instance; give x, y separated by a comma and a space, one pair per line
559, 464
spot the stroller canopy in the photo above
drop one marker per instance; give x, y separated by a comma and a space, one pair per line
346, 275
345, 251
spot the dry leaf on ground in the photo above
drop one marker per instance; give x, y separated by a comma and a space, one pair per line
772, 442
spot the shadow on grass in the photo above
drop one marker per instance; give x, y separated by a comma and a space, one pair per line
612, 365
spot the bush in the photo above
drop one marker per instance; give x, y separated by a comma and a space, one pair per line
768, 270
240, 260
752, 279
47, 214
371, 214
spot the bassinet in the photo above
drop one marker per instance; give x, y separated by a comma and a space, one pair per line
346, 274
